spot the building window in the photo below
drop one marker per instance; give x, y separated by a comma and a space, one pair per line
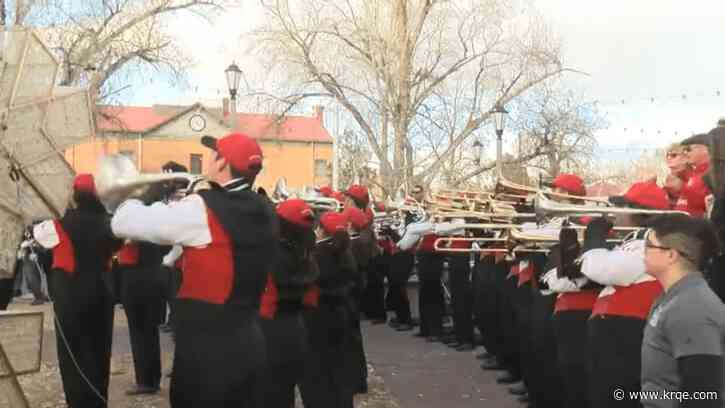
195, 164
320, 168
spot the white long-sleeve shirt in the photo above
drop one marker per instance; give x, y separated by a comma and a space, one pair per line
621, 266
183, 222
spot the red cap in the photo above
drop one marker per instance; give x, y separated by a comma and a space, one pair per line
359, 193
84, 183
296, 211
357, 218
333, 221
339, 196
572, 183
647, 194
326, 191
240, 151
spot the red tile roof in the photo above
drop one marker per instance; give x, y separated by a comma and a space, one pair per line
134, 119
139, 119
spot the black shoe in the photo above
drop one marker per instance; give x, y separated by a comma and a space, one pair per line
37, 302
433, 339
484, 356
507, 378
377, 321
492, 364
142, 389
518, 389
449, 339
453, 345
415, 321
404, 327
466, 347
524, 398
419, 334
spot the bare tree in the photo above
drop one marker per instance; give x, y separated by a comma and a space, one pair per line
561, 125
100, 41
384, 61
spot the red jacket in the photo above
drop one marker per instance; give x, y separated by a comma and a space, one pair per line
692, 196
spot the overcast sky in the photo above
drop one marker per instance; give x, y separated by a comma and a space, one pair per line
632, 51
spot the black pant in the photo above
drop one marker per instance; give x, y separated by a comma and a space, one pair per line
216, 366
545, 385
33, 278
401, 266
6, 292
462, 298
486, 304
373, 299
615, 347
323, 383
430, 300
507, 317
572, 354
355, 360
287, 345
84, 332
142, 302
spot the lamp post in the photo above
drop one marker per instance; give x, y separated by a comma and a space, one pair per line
477, 151
233, 75
499, 118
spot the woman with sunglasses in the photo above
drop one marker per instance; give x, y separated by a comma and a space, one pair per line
683, 348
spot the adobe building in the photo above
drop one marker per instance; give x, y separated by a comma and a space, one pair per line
296, 147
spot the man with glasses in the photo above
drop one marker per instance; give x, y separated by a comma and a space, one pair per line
682, 350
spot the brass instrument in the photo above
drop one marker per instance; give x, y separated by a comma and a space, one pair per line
317, 203
543, 206
117, 179
508, 189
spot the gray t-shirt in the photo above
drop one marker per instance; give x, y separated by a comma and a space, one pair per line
686, 320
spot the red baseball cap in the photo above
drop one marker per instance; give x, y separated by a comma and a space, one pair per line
326, 191
644, 194
357, 218
333, 221
239, 150
359, 193
572, 183
297, 212
84, 183
338, 195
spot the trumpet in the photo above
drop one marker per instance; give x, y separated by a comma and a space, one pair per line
117, 180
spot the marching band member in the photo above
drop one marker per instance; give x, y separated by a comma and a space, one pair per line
281, 307
619, 313
693, 193
373, 299
82, 246
325, 382
229, 236
363, 249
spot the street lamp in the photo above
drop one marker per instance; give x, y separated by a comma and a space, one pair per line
234, 75
477, 151
499, 118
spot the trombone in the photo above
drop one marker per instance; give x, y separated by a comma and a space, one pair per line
506, 188
543, 206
